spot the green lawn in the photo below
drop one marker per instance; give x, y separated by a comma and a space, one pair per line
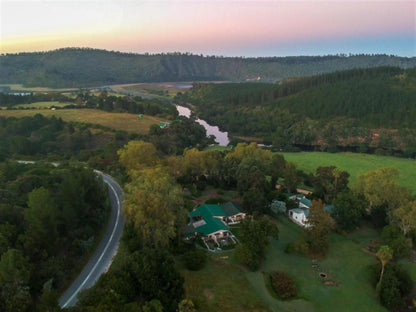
223, 285
356, 164
346, 265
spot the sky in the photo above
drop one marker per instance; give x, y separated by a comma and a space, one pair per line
212, 27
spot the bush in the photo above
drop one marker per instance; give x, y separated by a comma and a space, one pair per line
283, 285
393, 236
395, 285
195, 259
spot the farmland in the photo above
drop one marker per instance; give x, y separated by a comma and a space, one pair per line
118, 121
356, 164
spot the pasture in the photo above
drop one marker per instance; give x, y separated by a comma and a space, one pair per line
119, 121
356, 164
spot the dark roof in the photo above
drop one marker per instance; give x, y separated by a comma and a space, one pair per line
231, 208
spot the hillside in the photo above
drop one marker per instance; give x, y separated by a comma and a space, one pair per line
75, 67
356, 110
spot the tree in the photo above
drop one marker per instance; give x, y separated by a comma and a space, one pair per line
154, 205
330, 181
349, 209
405, 217
291, 177
137, 155
186, 305
254, 233
384, 254
395, 239
14, 278
395, 286
319, 226
40, 217
277, 167
381, 188
156, 276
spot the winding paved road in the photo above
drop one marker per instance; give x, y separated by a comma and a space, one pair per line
107, 249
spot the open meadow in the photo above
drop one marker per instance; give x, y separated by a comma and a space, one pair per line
356, 164
119, 121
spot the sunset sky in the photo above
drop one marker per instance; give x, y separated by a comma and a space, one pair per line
220, 27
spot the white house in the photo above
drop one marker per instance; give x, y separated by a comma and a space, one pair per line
299, 216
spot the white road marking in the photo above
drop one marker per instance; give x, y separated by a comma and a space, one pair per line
105, 249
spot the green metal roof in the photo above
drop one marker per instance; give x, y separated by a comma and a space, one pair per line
211, 224
306, 202
208, 211
231, 208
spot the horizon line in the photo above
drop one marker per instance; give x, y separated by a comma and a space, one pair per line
201, 54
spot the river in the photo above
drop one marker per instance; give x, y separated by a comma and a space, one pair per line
220, 137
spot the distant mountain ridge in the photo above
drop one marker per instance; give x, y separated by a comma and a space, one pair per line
83, 67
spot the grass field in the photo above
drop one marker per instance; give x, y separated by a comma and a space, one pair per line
356, 164
43, 105
118, 121
157, 89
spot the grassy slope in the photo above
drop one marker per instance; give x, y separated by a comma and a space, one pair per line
356, 164
119, 121
224, 286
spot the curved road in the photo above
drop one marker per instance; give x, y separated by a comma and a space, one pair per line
106, 250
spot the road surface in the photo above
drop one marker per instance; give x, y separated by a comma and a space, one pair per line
106, 250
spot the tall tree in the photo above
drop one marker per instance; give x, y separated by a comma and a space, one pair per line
137, 155
405, 217
384, 254
40, 218
291, 177
254, 240
330, 181
319, 226
349, 209
380, 187
154, 205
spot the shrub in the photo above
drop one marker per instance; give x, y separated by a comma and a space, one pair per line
395, 285
283, 285
195, 259
393, 236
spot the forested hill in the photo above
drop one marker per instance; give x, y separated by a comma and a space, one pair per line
359, 108
76, 67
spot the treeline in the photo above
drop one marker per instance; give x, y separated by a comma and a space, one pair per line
85, 99
360, 109
126, 104
50, 218
10, 100
75, 67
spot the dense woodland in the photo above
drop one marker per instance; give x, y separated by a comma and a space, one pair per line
75, 67
50, 219
358, 110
